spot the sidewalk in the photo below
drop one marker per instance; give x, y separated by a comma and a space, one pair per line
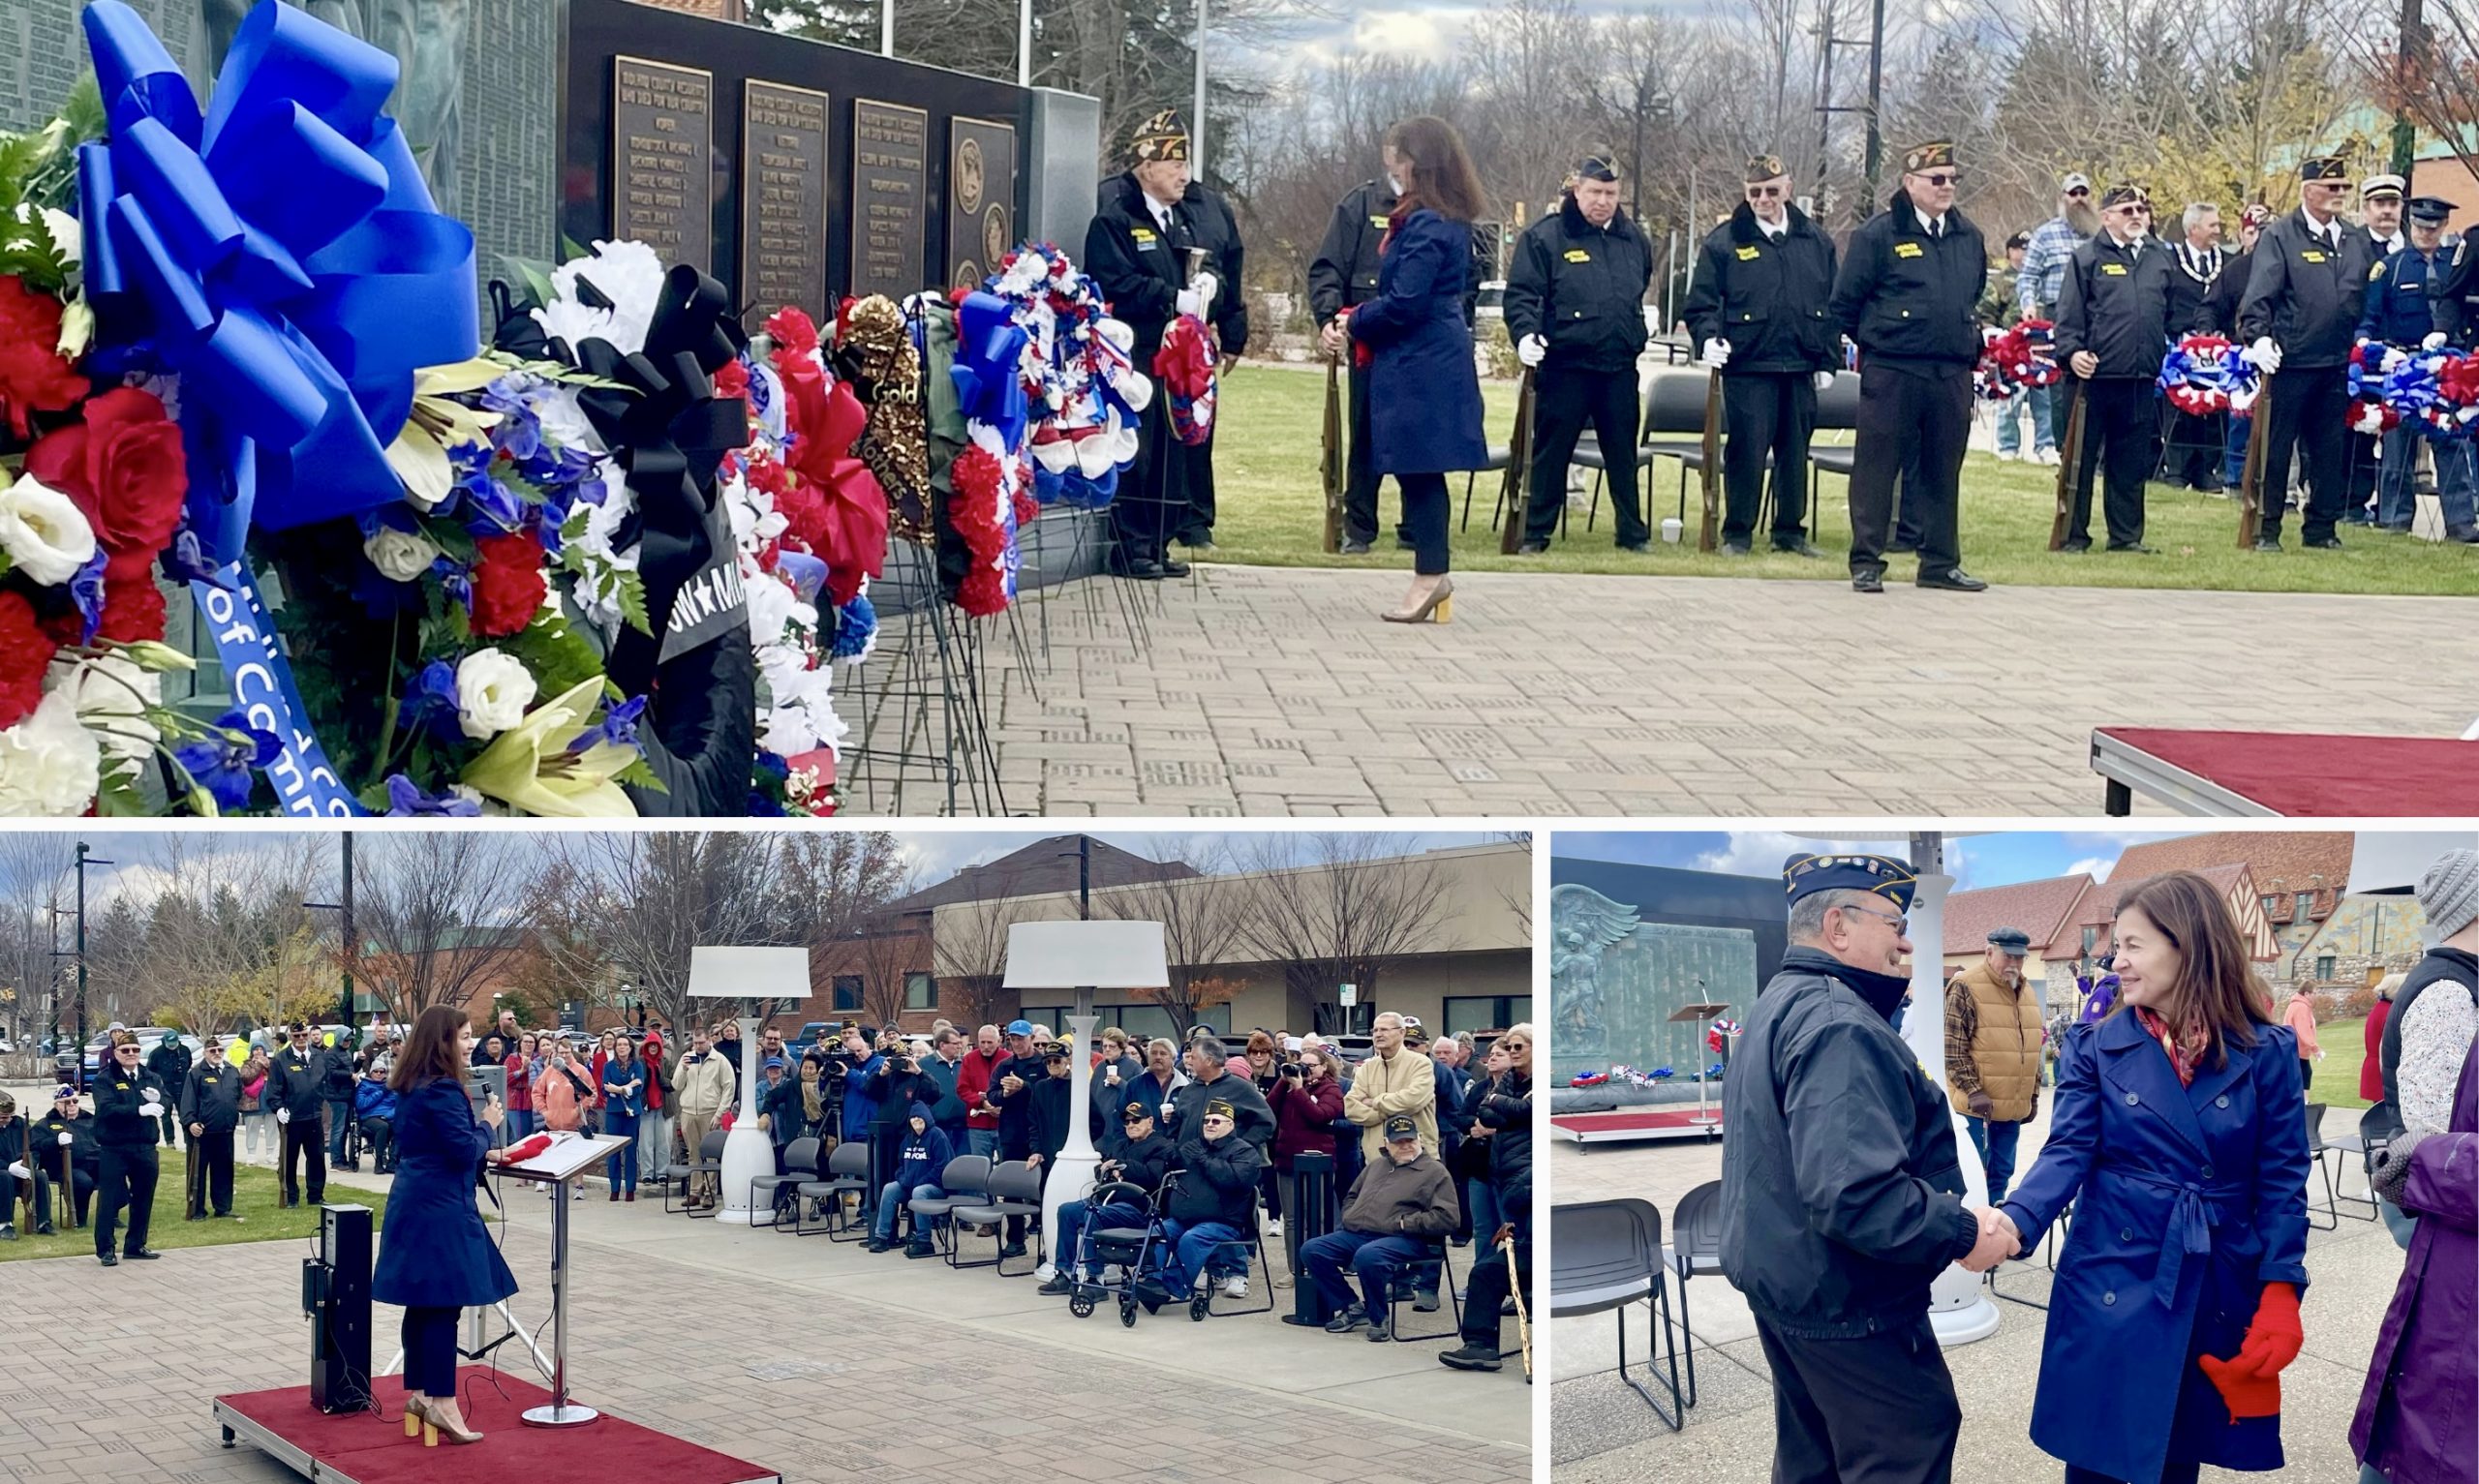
1601, 1433
810, 1356
1269, 691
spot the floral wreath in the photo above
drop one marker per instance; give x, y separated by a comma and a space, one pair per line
1081, 379
2206, 374
2016, 359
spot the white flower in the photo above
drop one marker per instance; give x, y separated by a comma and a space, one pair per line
629, 274
49, 765
400, 556
493, 689
111, 696
771, 605
563, 419
64, 233
43, 532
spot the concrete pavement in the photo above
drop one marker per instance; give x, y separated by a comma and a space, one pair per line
1264, 690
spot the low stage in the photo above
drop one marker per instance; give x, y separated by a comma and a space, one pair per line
2293, 775
1634, 1126
362, 1449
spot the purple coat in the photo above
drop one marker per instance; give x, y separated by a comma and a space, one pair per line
2417, 1423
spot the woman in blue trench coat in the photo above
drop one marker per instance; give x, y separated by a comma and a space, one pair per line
1423, 394
2179, 1140
435, 1256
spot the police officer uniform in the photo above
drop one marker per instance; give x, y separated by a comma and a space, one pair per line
1766, 292
2456, 295
2401, 309
1580, 288
1842, 1200
2116, 305
2303, 293
129, 1107
1908, 296
2365, 469
212, 1100
169, 1061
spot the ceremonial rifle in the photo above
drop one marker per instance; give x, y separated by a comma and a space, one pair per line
2251, 484
2069, 467
1510, 491
1331, 460
194, 1173
1712, 471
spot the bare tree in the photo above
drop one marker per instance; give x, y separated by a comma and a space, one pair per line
442, 915
1203, 918
887, 955
969, 955
1332, 909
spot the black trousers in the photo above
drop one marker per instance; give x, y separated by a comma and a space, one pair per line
2193, 447
1485, 1288
1878, 1409
1425, 503
1193, 520
125, 1178
2311, 406
1565, 400
81, 1192
1898, 412
2116, 441
430, 1350
1764, 413
171, 1122
304, 1138
1360, 478
215, 1152
1140, 511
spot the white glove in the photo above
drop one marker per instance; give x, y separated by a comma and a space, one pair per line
2264, 355
1717, 353
1532, 351
2434, 341
1825, 381
66, 1140
1188, 303
18, 1168
150, 1097
284, 1115
1207, 286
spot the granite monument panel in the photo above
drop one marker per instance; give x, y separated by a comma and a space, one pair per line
663, 154
890, 208
785, 195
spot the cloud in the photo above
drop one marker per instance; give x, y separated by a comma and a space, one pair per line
1760, 852
2097, 868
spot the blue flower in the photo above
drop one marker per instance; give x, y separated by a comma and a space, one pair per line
405, 799
618, 726
86, 586
185, 559
856, 624
431, 703
223, 764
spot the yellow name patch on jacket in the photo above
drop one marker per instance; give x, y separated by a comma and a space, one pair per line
1142, 233
2376, 273
1577, 255
1909, 250
2310, 256
2114, 270
1378, 220
1749, 255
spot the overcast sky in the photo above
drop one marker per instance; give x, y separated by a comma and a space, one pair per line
1973, 859
1428, 32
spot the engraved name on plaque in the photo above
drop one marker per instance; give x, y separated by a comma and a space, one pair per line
890, 173
662, 147
782, 199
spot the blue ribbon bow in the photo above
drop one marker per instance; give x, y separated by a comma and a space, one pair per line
279, 252
990, 349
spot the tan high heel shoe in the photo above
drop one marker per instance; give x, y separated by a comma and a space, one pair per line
441, 1417
414, 1400
1437, 607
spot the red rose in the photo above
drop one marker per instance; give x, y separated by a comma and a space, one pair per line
132, 603
793, 332
33, 377
123, 465
732, 381
25, 651
507, 584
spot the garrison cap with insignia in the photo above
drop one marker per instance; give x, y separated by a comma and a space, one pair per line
2324, 168
2376, 186
2123, 192
2009, 940
1936, 155
1763, 167
2256, 214
1596, 166
1887, 876
1218, 1109
2434, 210
1163, 136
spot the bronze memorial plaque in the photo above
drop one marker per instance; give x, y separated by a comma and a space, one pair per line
783, 200
890, 175
981, 198
663, 149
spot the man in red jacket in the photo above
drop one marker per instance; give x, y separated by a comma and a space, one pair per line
972, 1086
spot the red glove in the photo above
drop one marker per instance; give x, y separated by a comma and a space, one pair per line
526, 1149
2250, 1382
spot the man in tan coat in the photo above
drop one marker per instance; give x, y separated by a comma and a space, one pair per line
701, 1088
1393, 1080
1992, 1052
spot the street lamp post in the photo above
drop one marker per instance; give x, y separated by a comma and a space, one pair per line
343, 908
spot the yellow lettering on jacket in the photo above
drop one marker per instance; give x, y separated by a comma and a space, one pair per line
2310, 256
1577, 255
2114, 270
1749, 255
1378, 220
1909, 250
1142, 233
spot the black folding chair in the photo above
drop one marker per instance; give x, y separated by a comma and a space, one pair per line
963, 1178
800, 1164
1605, 1255
708, 1162
1694, 1247
2317, 1147
1443, 1254
847, 1172
1014, 1190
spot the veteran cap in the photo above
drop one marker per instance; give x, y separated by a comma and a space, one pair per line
2125, 193
2430, 211
2386, 185
1596, 164
2012, 941
1401, 1127
1763, 167
1220, 1108
1887, 876
1938, 154
2325, 169
1163, 136
1136, 1111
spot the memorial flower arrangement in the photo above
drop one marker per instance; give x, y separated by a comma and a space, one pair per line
2016, 359
2205, 374
990, 480
2372, 364
1081, 379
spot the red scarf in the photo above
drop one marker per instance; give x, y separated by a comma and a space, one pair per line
2185, 1051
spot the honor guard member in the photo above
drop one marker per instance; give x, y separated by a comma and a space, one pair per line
169, 1062
2400, 310
1136, 250
210, 1111
2299, 322
1215, 230
2456, 296
2113, 319
1909, 287
1762, 312
130, 1106
66, 1132
1575, 307
1842, 1189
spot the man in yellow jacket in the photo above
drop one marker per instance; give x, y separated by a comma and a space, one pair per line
1992, 1052
1392, 1081
701, 1086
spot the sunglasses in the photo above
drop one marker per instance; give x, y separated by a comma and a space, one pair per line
1766, 192
2080, 191
1941, 178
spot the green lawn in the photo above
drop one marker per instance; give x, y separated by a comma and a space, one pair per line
1271, 513
254, 1193
2336, 1075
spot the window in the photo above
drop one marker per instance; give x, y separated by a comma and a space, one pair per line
2091, 937
2305, 904
847, 991
1141, 1022
920, 991
2324, 967
1335, 1021
1484, 1013
2273, 908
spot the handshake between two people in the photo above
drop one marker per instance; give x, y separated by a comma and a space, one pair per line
1998, 1241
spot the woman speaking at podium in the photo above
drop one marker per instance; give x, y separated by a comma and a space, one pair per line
435, 1256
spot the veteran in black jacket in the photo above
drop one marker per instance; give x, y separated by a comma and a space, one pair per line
1761, 315
210, 1111
1574, 308
169, 1062
2299, 322
293, 1094
2115, 317
1842, 1189
1908, 295
130, 1108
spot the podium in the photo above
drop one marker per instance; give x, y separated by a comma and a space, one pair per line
554, 1166
1702, 1016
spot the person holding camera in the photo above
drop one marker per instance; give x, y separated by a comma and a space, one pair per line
901, 1083
1307, 1098
702, 1087
562, 1094
130, 1108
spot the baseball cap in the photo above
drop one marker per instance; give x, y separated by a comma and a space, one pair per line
1401, 1127
64, 1090
772, 1064
1135, 1112
2074, 180
1020, 1027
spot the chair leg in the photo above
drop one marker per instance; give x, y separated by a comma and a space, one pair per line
2332, 1220
1592, 513
1469, 478
1674, 1417
1687, 1328
2340, 1199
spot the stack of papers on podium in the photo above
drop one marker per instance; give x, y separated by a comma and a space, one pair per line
569, 1154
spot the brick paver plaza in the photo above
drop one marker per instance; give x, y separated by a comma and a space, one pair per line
1270, 690
803, 1355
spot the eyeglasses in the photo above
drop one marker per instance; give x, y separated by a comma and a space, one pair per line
1941, 178
1902, 924
2080, 191
1766, 192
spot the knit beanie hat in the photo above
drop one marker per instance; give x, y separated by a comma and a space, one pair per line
2449, 892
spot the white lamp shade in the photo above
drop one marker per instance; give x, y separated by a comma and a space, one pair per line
1101, 955
748, 973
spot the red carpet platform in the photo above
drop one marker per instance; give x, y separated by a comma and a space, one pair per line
2293, 775
362, 1449
1626, 1126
